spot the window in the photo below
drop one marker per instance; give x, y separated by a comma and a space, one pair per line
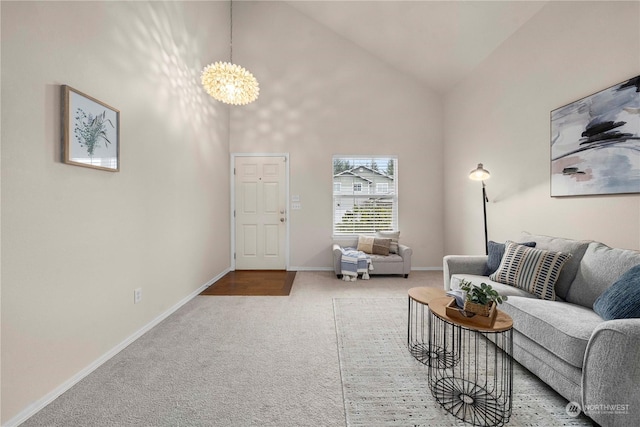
365, 194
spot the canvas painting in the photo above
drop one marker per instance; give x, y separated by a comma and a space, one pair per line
595, 143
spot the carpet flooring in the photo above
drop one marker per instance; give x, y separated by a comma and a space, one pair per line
254, 361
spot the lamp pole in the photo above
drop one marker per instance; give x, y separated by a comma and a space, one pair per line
480, 174
484, 211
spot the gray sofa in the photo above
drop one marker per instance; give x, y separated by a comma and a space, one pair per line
586, 359
399, 263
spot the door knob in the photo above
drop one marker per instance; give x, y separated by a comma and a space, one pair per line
281, 219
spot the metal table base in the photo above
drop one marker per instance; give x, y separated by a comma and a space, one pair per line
477, 387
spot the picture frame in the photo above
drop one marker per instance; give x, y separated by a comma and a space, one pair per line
91, 131
595, 143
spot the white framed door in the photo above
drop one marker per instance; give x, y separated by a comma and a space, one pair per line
260, 212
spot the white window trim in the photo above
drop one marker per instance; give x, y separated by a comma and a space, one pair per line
391, 195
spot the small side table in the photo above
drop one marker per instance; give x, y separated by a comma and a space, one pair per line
417, 324
478, 387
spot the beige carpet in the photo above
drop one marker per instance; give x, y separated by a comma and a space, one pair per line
232, 361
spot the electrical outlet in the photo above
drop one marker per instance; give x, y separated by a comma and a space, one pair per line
137, 295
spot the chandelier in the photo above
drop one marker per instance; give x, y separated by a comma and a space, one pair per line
228, 82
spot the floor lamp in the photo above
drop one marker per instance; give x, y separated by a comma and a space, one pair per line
480, 174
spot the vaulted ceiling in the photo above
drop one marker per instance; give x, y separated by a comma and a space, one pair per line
438, 42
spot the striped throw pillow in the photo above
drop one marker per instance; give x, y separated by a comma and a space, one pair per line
533, 270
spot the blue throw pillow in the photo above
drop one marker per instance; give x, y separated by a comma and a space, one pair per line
622, 299
496, 252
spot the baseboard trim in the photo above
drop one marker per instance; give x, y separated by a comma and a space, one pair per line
39, 404
331, 269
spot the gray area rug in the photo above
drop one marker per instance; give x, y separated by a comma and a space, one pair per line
384, 385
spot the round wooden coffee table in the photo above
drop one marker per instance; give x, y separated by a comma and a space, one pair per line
417, 325
477, 387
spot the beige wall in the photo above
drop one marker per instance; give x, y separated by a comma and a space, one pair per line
76, 242
500, 116
322, 95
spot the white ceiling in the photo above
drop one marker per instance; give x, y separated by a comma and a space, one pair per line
438, 42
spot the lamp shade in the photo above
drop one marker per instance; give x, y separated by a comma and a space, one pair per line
479, 173
230, 83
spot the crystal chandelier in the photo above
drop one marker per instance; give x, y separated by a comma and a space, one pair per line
228, 82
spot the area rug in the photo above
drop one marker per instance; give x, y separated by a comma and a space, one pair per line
383, 385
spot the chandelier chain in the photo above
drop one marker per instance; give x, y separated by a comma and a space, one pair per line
228, 82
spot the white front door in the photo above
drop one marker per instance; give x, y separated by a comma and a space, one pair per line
260, 213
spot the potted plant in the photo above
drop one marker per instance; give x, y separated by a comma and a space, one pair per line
480, 298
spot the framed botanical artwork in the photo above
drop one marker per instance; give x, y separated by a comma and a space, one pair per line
91, 131
595, 143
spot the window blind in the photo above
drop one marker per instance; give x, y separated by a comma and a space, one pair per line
365, 194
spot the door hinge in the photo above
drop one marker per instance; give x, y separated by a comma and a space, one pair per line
234, 255
234, 171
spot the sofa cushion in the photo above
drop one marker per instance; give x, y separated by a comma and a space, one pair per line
376, 259
501, 288
394, 236
534, 270
496, 252
566, 379
558, 244
562, 328
622, 299
600, 267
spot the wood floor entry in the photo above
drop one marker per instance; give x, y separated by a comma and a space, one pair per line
253, 283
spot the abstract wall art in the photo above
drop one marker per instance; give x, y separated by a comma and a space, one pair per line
595, 143
91, 131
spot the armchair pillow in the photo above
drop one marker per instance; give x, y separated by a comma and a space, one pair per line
373, 245
394, 236
365, 244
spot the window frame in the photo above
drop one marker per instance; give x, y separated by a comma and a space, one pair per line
368, 199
